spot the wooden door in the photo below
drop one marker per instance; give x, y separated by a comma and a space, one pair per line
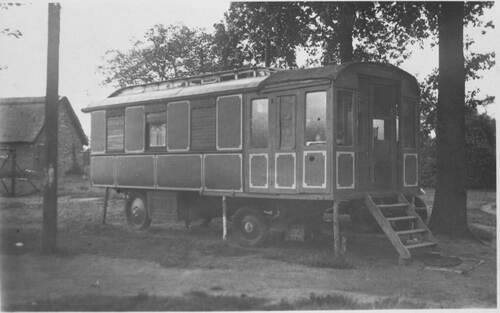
378, 160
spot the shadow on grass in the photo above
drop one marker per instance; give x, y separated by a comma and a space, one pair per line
200, 301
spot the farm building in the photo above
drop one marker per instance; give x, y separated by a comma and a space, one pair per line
22, 142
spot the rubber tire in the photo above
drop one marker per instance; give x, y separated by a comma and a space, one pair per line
136, 201
249, 227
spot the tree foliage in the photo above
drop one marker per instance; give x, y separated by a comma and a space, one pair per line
165, 52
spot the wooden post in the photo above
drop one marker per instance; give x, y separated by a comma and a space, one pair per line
13, 173
336, 231
105, 208
224, 218
49, 227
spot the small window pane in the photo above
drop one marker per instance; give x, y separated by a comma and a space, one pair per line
344, 118
287, 122
315, 117
156, 126
379, 129
114, 129
259, 136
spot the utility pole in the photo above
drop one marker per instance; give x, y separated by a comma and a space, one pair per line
49, 227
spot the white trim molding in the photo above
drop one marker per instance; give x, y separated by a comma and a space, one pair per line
306, 153
217, 124
404, 169
188, 127
352, 154
276, 156
250, 158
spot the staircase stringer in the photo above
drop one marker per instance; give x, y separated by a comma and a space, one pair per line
386, 226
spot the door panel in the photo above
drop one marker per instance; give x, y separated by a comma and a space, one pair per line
377, 159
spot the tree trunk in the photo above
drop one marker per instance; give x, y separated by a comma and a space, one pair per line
267, 52
449, 214
346, 19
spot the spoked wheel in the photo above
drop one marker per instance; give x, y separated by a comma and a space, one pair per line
250, 227
137, 211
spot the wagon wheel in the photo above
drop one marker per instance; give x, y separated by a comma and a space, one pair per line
137, 212
250, 227
422, 209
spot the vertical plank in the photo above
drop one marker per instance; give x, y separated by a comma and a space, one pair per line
105, 208
49, 227
336, 231
224, 218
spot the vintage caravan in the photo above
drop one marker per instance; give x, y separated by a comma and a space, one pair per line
280, 147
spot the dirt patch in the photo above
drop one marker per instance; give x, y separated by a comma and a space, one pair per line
114, 268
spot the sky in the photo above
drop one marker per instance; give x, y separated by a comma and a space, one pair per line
90, 28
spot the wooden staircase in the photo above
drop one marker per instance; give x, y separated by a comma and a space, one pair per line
401, 224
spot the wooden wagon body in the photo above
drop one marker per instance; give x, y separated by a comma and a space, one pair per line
332, 133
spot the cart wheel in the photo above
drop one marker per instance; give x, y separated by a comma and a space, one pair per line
362, 220
137, 211
250, 227
423, 210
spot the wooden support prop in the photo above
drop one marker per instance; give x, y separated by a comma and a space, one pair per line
105, 208
49, 226
224, 218
336, 231
13, 173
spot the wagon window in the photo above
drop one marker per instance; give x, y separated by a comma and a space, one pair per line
114, 130
344, 118
156, 129
287, 122
259, 128
315, 117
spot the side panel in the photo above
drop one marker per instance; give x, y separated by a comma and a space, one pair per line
222, 172
135, 171
285, 165
345, 170
410, 170
203, 125
229, 121
102, 170
134, 129
98, 132
179, 171
315, 170
258, 170
178, 120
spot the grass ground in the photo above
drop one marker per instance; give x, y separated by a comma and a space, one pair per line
110, 267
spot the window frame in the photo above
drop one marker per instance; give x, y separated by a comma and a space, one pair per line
113, 113
147, 132
269, 140
279, 135
353, 110
321, 142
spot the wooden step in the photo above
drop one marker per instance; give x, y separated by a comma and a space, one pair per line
411, 231
393, 206
401, 218
421, 245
